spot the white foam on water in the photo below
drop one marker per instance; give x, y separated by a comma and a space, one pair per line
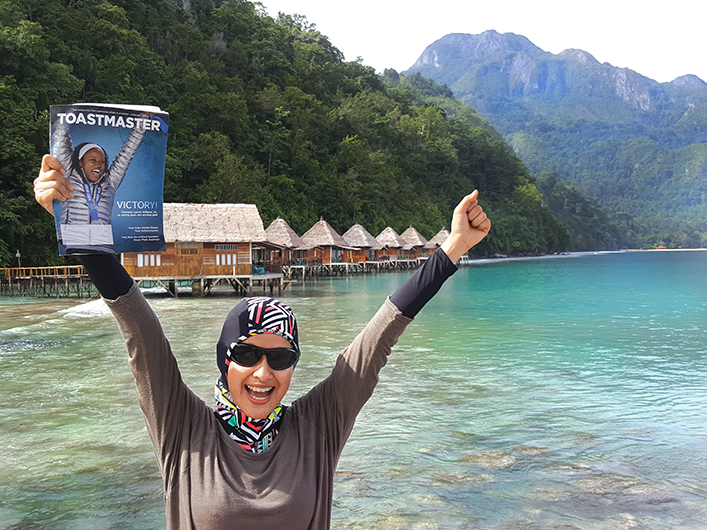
89, 309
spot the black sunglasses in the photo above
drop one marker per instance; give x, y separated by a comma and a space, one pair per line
278, 358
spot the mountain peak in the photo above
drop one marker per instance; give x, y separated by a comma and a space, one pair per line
690, 81
491, 41
579, 56
473, 47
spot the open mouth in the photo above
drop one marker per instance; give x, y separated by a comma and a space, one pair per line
259, 393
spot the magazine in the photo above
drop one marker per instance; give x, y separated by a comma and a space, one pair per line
114, 155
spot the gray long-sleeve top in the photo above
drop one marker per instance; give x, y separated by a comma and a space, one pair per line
211, 482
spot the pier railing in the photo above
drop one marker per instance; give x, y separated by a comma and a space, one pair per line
47, 270
48, 281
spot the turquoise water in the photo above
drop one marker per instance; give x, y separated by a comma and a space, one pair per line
564, 392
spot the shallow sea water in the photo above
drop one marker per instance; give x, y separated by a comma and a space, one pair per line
563, 392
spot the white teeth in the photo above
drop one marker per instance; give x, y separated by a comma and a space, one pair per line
259, 390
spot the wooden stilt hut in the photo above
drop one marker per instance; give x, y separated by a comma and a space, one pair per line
323, 243
414, 238
364, 242
393, 245
436, 242
204, 240
280, 233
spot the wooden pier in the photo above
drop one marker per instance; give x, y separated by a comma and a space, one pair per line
72, 280
303, 270
203, 285
48, 282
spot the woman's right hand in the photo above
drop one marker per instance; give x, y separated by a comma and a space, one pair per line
51, 184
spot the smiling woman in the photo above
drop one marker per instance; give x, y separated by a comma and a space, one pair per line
256, 355
254, 462
92, 161
85, 222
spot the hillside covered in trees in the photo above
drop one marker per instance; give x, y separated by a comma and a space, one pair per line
638, 147
262, 111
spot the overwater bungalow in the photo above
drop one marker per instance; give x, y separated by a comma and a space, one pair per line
394, 246
366, 245
413, 238
280, 233
436, 242
205, 241
324, 245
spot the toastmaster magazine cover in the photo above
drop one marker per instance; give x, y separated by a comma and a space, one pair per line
114, 155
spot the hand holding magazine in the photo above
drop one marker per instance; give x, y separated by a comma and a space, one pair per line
114, 156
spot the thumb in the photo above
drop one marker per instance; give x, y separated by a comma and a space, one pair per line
468, 202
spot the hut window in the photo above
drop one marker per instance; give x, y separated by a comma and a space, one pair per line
226, 259
149, 260
226, 247
184, 251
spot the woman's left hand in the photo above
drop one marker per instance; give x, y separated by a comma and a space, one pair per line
469, 226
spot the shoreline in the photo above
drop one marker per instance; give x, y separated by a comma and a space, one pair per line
158, 292
503, 258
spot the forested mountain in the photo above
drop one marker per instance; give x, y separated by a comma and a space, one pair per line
263, 111
638, 146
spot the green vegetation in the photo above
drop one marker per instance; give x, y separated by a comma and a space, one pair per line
263, 111
636, 146
588, 224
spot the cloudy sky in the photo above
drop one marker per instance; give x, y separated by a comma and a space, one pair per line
661, 40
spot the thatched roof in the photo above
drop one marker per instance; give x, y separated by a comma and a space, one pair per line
413, 237
280, 233
359, 237
438, 239
390, 238
212, 223
323, 235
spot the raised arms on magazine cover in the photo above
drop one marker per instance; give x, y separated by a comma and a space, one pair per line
86, 215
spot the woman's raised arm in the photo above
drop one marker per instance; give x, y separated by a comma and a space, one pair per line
469, 226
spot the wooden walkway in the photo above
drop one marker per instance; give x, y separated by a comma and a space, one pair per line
72, 280
203, 285
48, 282
341, 268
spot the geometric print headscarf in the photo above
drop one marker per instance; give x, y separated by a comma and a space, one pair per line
254, 435
252, 316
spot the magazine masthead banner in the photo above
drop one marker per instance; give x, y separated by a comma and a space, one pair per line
114, 155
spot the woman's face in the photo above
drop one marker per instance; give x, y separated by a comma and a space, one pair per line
93, 164
258, 389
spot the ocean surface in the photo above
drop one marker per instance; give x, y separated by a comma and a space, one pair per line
561, 392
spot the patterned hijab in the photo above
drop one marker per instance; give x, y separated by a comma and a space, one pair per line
252, 316
252, 435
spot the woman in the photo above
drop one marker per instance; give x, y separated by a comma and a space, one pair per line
85, 222
255, 463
